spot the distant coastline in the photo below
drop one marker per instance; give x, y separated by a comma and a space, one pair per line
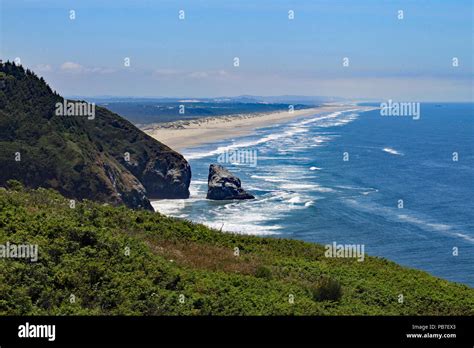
190, 133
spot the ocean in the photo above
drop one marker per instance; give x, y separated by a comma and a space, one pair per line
401, 187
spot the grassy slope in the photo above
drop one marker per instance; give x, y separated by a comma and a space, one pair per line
82, 252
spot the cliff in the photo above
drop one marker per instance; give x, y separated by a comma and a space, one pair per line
95, 155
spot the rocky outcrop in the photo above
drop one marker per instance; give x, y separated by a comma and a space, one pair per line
167, 176
101, 157
223, 185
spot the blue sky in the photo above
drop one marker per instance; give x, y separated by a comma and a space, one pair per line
389, 58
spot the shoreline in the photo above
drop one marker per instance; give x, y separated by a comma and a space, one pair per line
183, 134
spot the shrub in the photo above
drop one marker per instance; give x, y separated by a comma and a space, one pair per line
14, 185
263, 272
327, 289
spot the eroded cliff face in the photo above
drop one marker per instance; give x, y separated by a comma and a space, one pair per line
103, 158
164, 179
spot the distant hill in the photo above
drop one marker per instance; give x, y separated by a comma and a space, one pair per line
283, 99
247, 99
104, 158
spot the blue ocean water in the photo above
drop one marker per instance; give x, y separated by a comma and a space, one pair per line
305, 190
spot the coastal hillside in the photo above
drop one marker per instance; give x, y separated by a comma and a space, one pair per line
98, 156
98, 259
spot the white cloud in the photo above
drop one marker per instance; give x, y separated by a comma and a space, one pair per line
165, 72
208, 74
78, 68
71, 66
100, 70
199, 75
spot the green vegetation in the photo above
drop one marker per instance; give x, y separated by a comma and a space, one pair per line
78, 156
83, 251
327, 289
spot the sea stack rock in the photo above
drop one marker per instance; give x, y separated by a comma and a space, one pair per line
223, 185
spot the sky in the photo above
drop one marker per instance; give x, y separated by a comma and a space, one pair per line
408, 59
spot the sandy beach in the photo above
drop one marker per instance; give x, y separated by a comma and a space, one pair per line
189, 133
